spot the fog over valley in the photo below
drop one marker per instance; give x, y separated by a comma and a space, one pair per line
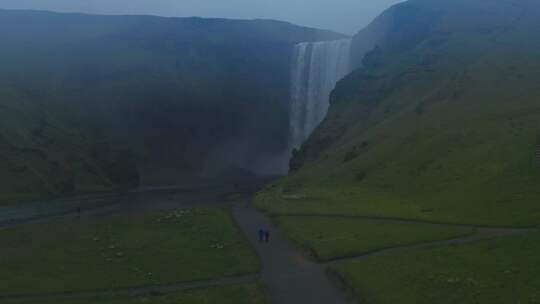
344, 16
269, 152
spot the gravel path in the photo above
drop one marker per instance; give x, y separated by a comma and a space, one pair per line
289, 277
480, 234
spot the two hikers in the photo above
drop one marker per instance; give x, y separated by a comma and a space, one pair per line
264, 236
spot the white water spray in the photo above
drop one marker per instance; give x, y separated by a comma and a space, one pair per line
316, 69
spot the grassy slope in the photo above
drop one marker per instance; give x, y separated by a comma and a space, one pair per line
242, 294
122, 252
444, 131
331, 238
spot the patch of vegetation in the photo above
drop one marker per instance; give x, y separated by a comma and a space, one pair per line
178, 246
120, 166
505, 270
240, 294
335, 237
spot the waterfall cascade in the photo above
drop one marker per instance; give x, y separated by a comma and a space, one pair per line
316, 68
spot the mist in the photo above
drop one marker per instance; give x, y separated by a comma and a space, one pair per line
344, 16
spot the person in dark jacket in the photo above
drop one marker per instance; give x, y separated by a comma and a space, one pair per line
261, 235
267, 236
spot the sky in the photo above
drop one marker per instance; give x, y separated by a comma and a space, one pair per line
345, 16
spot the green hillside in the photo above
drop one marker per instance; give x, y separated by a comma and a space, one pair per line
94, 102
441, 123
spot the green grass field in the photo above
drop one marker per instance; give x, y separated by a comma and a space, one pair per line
491, 271
450, 175
335, 237
240, 294
184, 245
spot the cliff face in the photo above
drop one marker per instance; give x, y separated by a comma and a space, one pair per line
176, 97
442, 115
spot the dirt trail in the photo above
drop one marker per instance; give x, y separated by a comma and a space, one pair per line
289, 277
480, 234
407, 221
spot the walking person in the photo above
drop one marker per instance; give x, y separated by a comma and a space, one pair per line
261, 235
267, 236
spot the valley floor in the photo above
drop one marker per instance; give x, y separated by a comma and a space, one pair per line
181, 241
195, 242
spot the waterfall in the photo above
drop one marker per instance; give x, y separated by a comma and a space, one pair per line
316, 68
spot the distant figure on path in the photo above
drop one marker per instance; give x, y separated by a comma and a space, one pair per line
261, 235
266, 236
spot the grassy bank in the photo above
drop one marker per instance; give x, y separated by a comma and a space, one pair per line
492, 271
183, 245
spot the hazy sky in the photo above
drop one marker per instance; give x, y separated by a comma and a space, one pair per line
346, 16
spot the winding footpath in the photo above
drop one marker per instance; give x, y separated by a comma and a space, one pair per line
289, 277
478, 235
288, 274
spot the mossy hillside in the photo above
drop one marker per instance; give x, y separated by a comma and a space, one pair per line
444, 130
179, 93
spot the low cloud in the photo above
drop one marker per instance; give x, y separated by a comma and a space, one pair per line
346, 16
